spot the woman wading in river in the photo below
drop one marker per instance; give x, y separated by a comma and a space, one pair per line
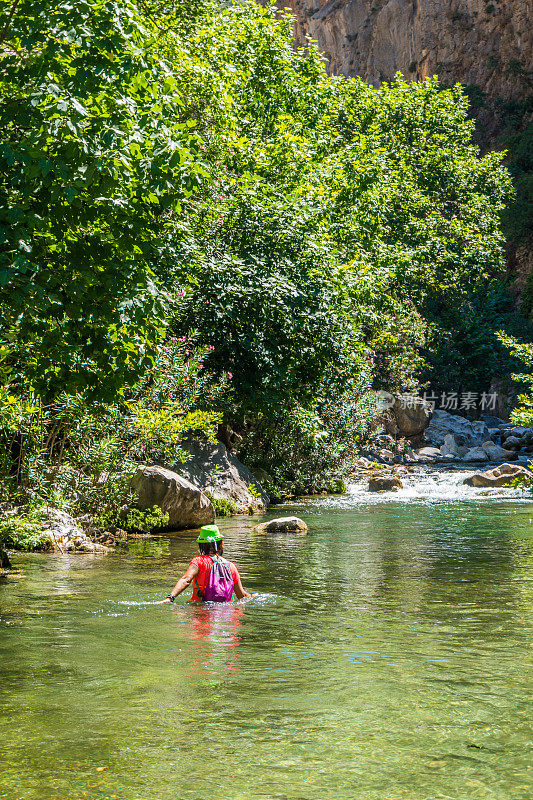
213, 578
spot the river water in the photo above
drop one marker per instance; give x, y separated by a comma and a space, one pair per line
386, 656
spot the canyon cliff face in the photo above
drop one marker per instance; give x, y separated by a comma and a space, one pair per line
487, 43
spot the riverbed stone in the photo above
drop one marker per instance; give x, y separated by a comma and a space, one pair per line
186, 505
384, 483
282, 525
466, 433
494, 422
503, 475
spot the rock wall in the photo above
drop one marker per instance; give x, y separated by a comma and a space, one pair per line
488, 43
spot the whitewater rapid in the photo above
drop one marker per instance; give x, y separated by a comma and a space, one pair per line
425, 485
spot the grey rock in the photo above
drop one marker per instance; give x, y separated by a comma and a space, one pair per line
450, 446
512, 443
499, 476
186, 505
496, 453
465, 432
385, 483
282, 525
65, 534
387, 455
214, 469
527, 439
476, 454
493, 422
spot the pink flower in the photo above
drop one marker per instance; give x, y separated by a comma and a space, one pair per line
173, 339
230, 375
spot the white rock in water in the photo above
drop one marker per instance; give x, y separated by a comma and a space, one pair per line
282, 525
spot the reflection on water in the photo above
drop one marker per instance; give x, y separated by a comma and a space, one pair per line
386, 655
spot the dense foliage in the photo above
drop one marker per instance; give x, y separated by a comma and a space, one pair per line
175, 175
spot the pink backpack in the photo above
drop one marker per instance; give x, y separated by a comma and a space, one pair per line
220, 584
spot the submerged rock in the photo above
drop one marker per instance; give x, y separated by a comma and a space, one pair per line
214, 469
66, 536
499, 476
186, 505
385, 483
282, 525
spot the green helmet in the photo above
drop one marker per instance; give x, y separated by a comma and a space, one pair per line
209, 533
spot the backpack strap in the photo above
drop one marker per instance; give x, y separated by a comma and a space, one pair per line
200, 595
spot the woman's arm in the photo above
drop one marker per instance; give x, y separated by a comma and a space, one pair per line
239, 591
183, 583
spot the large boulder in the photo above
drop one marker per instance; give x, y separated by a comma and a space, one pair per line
496, 453
282, 525
412, 417
186, 505
215, 470
504, 475
66, 536
385, 483
465, 432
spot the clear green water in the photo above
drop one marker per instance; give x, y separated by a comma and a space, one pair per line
387, 656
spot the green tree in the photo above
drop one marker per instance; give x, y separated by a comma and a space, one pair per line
97, 154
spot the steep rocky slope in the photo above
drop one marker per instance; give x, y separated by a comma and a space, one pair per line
488, 44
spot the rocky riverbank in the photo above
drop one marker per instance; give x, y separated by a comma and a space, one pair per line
431, 437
